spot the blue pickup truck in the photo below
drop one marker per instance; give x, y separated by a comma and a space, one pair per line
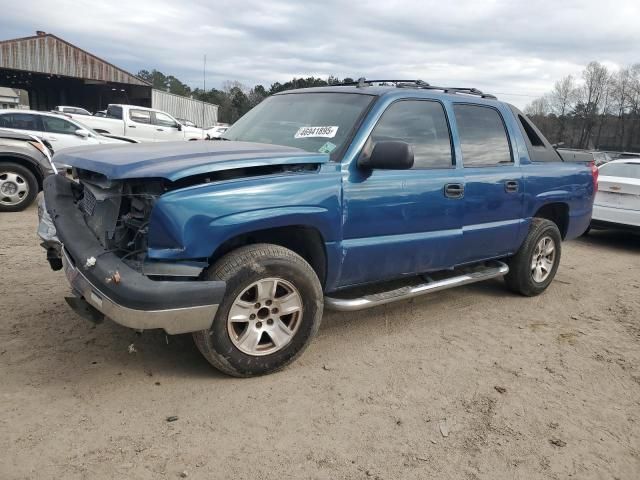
343, 197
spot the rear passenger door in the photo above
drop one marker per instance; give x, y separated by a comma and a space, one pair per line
493, 192
140, 125
402, 222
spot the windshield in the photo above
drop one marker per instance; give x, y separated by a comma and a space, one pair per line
629, 170
315, 122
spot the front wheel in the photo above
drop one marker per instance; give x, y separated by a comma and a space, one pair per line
534, 265
18, 187
272, 308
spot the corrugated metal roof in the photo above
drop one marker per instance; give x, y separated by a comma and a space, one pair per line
51, 55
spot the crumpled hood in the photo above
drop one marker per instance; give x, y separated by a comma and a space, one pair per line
176, 160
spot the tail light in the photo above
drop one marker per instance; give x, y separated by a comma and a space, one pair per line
594, 174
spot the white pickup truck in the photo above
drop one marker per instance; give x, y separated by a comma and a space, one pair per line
142, 124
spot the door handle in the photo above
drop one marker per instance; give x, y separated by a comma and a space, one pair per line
511, 186
160, 129
454, 190
131, 126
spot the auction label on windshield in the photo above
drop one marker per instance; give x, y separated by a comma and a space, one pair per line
321, 132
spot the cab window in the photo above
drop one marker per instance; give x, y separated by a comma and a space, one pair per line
140, 116
164, 120
423, 125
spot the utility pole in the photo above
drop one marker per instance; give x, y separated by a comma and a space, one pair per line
204, 85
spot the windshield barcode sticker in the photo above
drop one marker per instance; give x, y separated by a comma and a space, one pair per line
310, 132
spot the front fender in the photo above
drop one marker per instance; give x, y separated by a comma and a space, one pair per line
192, 222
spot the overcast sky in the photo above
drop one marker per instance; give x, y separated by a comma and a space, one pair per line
505, 47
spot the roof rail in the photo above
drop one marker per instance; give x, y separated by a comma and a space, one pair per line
363, 82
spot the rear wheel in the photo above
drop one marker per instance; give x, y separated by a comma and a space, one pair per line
534, 266
271, 310
18, 187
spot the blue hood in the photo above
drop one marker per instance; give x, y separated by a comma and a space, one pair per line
176, 160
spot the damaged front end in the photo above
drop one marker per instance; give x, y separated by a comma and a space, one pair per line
100, 228
117, 212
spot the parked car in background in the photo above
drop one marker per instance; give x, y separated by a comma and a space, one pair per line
59, 130
314, 192
76, 110
216, 132
100, 113
23, 166
186, 123
143, 124
571, 155
617, 203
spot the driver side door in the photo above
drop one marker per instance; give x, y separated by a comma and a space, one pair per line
167, 128
404, 222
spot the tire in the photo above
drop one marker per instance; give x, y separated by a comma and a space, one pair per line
524, 267
238, 348
15, 178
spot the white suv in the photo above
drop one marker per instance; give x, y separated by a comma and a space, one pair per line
61, 131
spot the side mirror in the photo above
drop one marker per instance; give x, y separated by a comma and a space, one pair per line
81, 132
179, 126
557, 145
391, 155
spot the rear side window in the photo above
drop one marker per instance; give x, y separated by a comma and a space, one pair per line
533, 137
20, 121
140, 116
114, 112
625, 170
423, 125
483, 137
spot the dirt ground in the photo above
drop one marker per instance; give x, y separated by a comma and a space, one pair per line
471, 383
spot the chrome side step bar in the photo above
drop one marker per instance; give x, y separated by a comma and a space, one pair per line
490, 270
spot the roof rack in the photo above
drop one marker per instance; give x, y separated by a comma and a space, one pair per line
363, 82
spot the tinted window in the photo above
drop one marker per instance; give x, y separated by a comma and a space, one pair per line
20, 121
164, 120
58, 125
627, 170
533, 137
140, 116
483, 138
423, 125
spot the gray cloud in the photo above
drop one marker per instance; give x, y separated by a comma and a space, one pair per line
517, 46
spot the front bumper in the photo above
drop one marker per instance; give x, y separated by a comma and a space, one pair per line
116, 290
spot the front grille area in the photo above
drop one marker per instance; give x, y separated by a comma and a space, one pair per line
88, 202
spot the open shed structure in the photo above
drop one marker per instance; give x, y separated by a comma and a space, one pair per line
55, 72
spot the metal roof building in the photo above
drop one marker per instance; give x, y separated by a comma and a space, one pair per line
55, 72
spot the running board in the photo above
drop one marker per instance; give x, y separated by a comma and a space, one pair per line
489, 270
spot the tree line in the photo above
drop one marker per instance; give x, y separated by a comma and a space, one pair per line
234, 99
600, 110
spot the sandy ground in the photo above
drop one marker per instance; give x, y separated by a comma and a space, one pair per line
473, 383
